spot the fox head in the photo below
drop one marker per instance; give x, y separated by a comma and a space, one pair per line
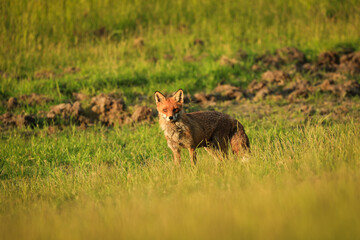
170, 108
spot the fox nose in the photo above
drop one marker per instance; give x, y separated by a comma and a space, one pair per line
171, 117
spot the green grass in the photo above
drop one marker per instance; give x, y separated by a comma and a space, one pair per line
39, 35
298, 183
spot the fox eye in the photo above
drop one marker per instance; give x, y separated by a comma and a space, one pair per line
164, 110
176, 110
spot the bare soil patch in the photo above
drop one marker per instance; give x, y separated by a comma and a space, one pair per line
19, 120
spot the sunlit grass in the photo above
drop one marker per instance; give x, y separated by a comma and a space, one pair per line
119, 182
38, 36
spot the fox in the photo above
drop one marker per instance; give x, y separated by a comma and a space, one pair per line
214, 131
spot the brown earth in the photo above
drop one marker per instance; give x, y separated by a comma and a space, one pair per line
276, 77
281, 57
110, 109
12, 103
328, 61
142, 113
68, 111
34, 99
350, 63
27, 100
20, 120
344, 61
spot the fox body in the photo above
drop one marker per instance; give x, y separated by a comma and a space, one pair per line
212, 130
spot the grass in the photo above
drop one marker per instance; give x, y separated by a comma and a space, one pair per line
300, 182
64, 33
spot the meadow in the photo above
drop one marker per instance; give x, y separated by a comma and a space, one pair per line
61, 181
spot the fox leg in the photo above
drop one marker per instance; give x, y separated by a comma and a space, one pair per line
177, 156
192, 156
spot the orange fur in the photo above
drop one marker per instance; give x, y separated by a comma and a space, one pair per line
212, 130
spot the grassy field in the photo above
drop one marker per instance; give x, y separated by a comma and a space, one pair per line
302, 178
98, 37
299, 183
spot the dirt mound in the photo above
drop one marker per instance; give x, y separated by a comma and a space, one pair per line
110, 109
12, 103
351, 88
290, 55
328, 61
346, 89
299, 89
276, 85
276, 77
9, 119
331, 61
261, 94
309, 68
281, 57
205, 99
350, 63
269, 60
66, 111
334, 76
227, 92
142, 113
329, 86
34, 99
224, 92
255, 86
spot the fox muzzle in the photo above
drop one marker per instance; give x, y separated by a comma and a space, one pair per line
173, 118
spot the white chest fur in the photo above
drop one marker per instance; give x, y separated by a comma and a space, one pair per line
177, 133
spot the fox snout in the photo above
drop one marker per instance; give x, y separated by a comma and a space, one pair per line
172, 118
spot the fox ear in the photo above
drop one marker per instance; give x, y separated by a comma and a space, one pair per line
179, 96
159, 97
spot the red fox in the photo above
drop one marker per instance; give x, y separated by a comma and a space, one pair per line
212, 130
